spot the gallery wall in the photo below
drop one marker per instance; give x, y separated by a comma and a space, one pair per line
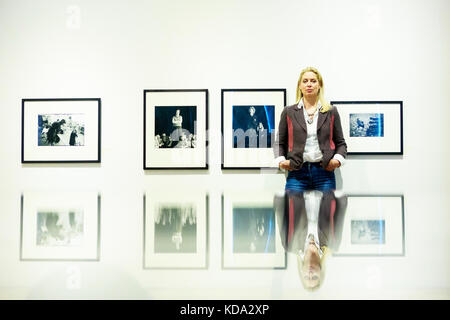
366, 50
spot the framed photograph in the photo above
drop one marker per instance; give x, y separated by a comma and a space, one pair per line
372, 127
175, 127
61, 130
250, 119
373, 226
60, 226
250, 233
175, 230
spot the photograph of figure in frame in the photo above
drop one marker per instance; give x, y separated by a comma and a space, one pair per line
253, 126
175, 127
366, 125
61, 129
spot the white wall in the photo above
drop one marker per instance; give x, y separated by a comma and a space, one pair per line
366, 50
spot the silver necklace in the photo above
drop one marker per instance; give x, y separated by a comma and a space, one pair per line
311, 116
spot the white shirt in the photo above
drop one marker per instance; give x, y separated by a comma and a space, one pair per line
312, 151
313, 198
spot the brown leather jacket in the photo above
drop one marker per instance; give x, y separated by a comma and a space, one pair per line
291, 138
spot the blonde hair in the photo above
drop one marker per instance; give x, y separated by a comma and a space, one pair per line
326, 252
325, 104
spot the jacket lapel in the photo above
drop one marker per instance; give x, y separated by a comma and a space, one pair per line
299, 117
321, 119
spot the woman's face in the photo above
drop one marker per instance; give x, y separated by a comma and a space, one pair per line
309, 84
311, 274
311, 268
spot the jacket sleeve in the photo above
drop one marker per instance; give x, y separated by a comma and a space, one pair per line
338, 135
280, 144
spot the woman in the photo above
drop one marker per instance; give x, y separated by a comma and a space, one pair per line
310, 142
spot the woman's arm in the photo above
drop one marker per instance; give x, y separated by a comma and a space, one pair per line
280, 143
339, 142
338, 135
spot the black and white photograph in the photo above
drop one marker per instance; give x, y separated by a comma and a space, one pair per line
175, 230
253, 126
249, 124
373, 226
372, 127
60, 225
250, 233
59, 130
60, 228
253, 230
175, 129
368, 232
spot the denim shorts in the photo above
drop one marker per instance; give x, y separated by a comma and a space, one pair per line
311, 176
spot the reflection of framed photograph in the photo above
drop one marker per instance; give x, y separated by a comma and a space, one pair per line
175, 126
61, 130
250, 119
372, 127
373, 226
60, 226
175, 231
250, 234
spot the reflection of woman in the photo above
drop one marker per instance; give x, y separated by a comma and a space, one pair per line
310, 225
310, 142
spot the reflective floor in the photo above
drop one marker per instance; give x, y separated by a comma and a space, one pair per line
227, 244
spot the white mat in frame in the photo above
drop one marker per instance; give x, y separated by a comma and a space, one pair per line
60, 225
175, 230
236, 205
373, 226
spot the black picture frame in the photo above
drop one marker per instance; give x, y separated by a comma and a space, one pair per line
192, 102
247, 156
89, 152
384, 137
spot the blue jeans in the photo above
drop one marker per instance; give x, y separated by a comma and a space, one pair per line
311, 176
